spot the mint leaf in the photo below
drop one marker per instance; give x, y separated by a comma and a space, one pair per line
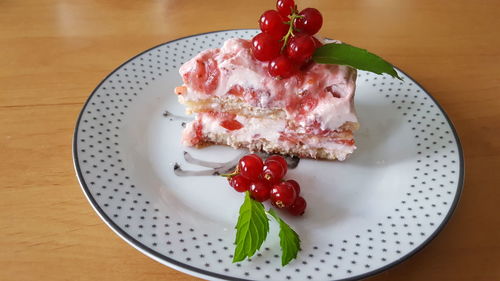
251, 229
289, 240
345, 54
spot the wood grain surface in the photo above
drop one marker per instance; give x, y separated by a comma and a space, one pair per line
54, 52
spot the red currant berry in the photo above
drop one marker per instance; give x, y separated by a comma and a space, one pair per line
280, 159
250, 166
272, 23
285, 7
283, 195
265, 47
281, 67
311, 21
260, 191
272, 171
317, 43
301, 48
298, 207
240, 183
295, 185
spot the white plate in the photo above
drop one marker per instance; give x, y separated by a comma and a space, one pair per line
365, 214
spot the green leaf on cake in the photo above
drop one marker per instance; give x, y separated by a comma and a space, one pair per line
358, 58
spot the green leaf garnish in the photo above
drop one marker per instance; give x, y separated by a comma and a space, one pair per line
251, 229
345, 54
289, 240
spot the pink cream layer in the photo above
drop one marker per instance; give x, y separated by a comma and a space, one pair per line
321, 94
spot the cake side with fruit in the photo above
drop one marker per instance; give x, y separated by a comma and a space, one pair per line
266, 94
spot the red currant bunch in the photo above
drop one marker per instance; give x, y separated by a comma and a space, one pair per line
286, 41
264, 180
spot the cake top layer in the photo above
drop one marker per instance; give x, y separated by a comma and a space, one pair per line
318, 93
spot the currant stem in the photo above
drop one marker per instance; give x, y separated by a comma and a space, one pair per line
285, 38
230, 175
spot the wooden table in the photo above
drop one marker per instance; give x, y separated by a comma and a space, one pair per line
53, 54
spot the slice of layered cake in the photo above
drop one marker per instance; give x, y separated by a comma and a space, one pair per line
238, 103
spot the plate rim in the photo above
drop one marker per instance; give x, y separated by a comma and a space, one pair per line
201, 273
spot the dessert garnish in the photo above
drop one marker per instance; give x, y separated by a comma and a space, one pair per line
261, 181
287, 42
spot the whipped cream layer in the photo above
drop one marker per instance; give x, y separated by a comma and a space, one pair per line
320, 93
264, 134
